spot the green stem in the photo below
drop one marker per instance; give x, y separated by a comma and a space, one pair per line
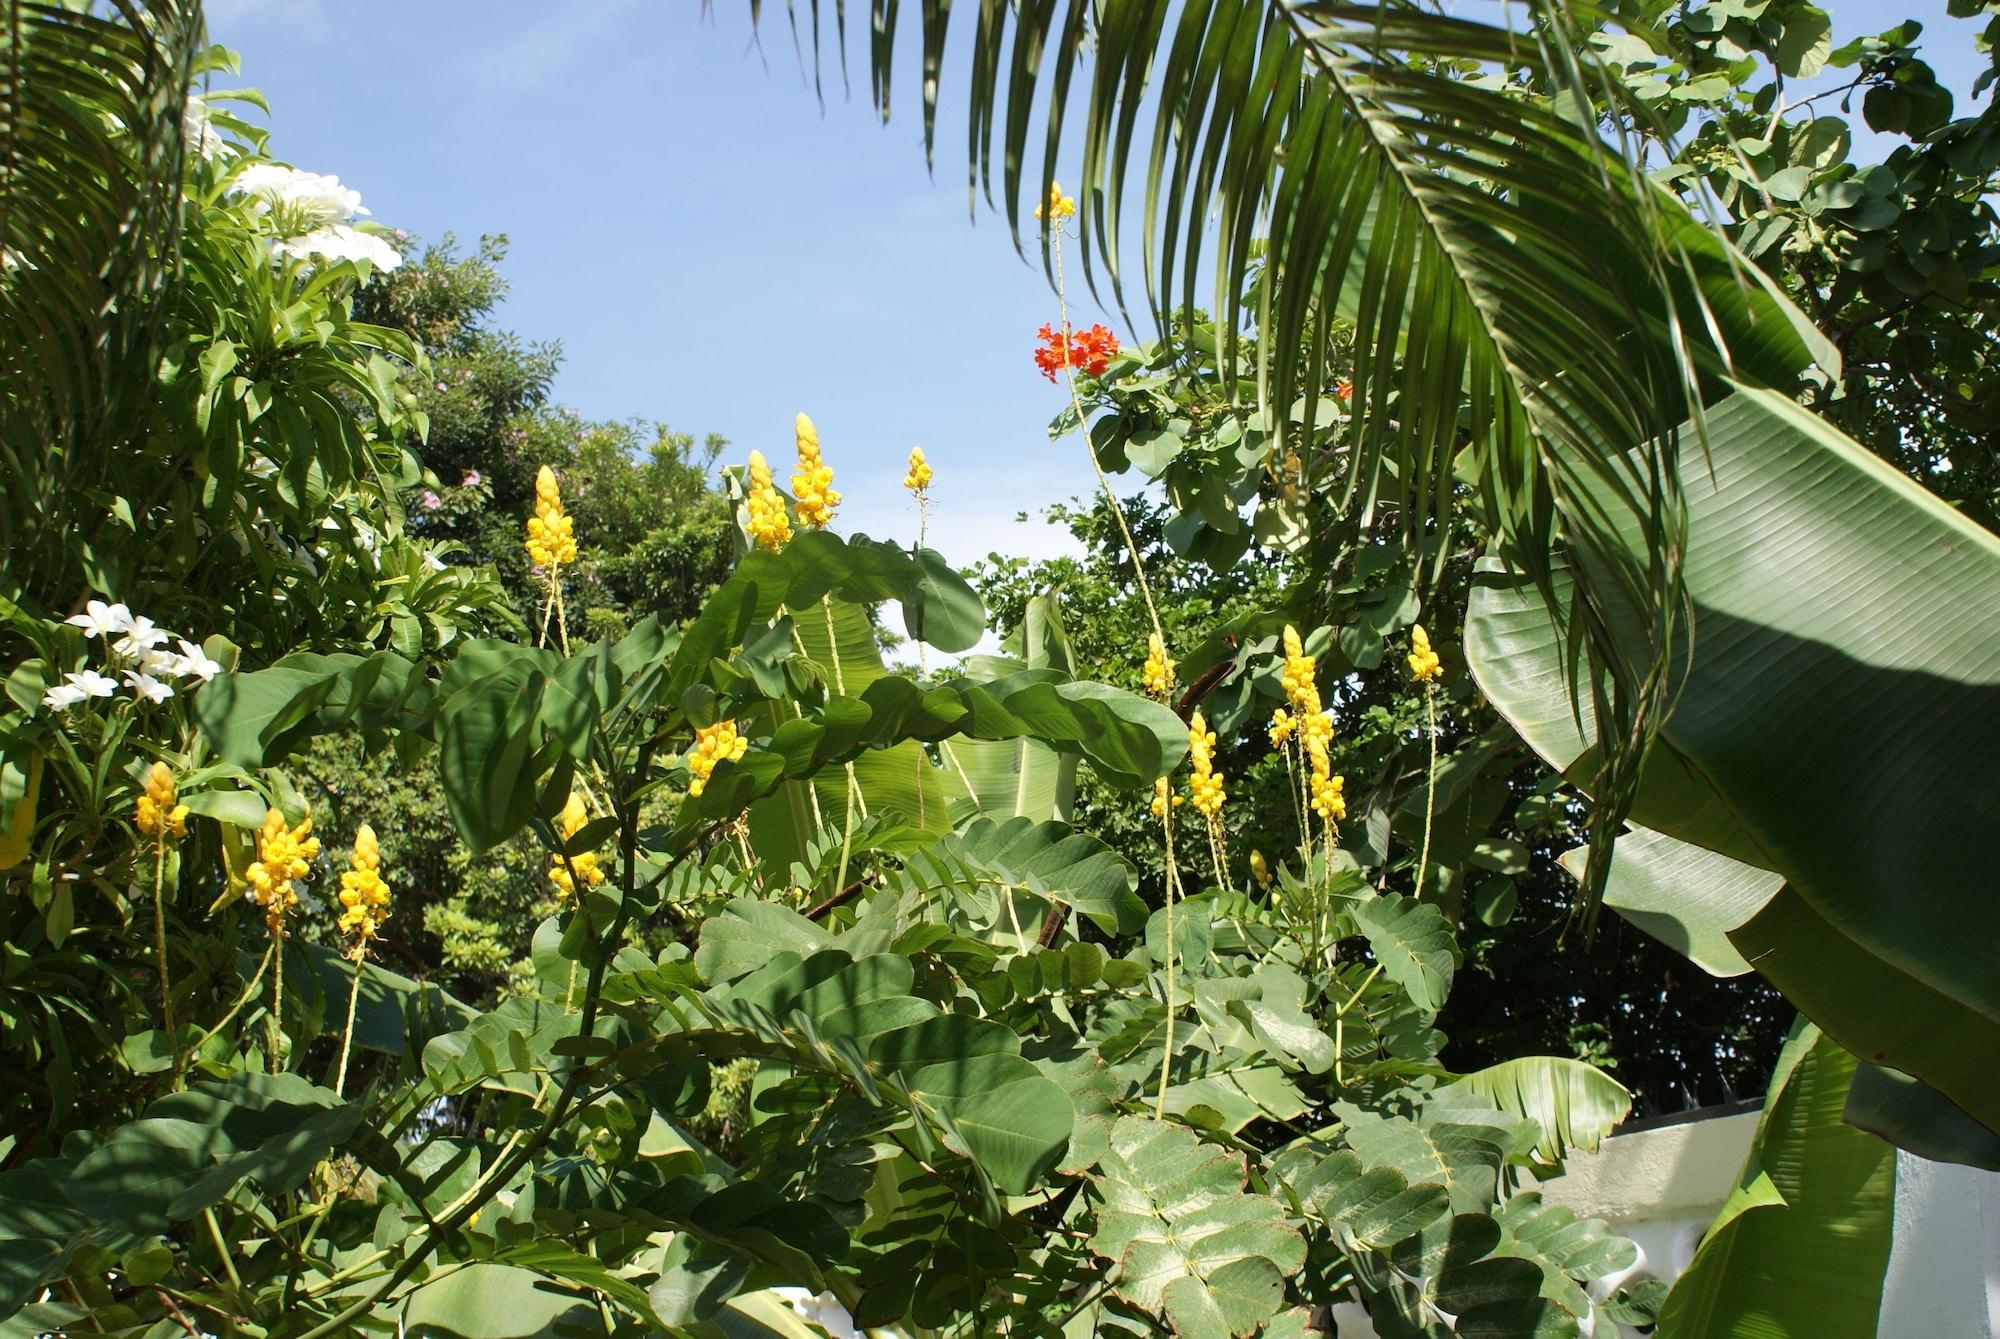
160, 944
1430, 785
275, 1028
347, 1033
249, 993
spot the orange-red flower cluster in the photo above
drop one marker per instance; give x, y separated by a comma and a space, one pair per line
1091, 350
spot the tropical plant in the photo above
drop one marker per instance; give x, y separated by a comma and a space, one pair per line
1528, 317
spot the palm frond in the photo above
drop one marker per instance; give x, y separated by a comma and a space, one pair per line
91, 121
1516, 290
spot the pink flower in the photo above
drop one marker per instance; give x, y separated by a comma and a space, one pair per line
440, 385
471, 479
432, 501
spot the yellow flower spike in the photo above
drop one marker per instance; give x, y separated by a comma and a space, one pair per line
156, 813
1058, 206
1327, 798
573, 819
1283, 726
1205, 786
1299, 676
551, 538
1158, 674
769, 527
284, 855
812, 485
919, 477
364, 894
1260, 869
713, 744
1163, 795
1424, 664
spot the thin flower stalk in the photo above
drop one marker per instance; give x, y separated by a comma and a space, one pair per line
159, 816
1058, 208
364, 901
1428, 670
284, 856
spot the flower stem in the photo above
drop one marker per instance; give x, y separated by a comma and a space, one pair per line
249, 993
274, 1029
1153, 616
1430, 784
160, 946
347, 1033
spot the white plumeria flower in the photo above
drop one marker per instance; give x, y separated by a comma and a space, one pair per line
99, 619
157, 662
194, 661
93, 684
312, 197
141, 636
339, 241
433, 563
63, 696
147, 687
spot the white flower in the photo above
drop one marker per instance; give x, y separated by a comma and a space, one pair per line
92, 684
99, 619
141, 636
304, 199
432, 563
156, 661
197, 131
341, 242
195, 662
63, 696
146, 686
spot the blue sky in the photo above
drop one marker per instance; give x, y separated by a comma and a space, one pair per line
712, 248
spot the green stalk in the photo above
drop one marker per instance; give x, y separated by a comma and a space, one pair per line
160, 943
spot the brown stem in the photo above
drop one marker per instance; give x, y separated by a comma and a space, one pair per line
841, 898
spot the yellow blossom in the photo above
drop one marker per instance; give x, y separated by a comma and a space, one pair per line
812, 485
1163, 794
284, 855
574, 817
1205, 786
1282, 727
1158, 675
158, 815
1260, 869
713, 744
1300, 684
769, 526
551, 534
1327, 800
1058, 206
919, 477
364, 895
1424, 665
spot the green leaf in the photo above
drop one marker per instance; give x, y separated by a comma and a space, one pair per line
1574, 1104
1832, 732
1687, 897
1047, 860
490, 1301
1376, 1206
1917, 1118
1826, 1233
1188, 1239
1442, 1147
745, 934
1414, 943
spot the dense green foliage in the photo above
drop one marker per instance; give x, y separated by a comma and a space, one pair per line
526, 902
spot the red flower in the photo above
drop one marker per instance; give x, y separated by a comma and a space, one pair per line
1091, 350
1343, 389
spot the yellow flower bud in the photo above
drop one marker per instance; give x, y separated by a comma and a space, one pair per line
769, 527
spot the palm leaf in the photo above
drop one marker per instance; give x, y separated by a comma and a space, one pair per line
1514, 286
90, 177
